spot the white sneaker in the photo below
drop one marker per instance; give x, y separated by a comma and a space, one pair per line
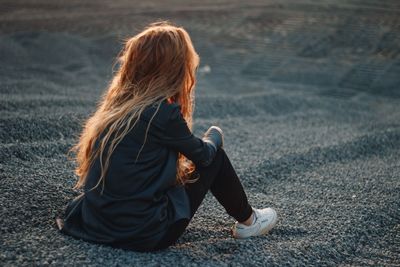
265, 220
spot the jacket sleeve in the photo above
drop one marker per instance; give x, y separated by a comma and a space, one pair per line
178, 136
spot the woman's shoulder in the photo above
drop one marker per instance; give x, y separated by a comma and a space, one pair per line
164, 110
161, 113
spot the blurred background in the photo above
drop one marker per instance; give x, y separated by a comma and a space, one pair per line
307, 93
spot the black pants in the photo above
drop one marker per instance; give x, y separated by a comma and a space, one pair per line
221, 179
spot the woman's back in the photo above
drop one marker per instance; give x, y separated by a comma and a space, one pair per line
140, 198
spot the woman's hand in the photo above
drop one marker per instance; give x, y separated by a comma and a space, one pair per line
215, 135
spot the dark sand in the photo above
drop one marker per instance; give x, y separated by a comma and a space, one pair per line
307, 92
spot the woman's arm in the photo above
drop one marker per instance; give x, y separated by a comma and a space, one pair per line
179, 137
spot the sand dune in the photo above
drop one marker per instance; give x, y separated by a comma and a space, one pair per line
307, 93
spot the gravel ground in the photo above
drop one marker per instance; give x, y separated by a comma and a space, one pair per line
307, 93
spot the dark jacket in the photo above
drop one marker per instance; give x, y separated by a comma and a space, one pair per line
140, 199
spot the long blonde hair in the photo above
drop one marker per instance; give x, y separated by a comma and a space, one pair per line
155, 65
